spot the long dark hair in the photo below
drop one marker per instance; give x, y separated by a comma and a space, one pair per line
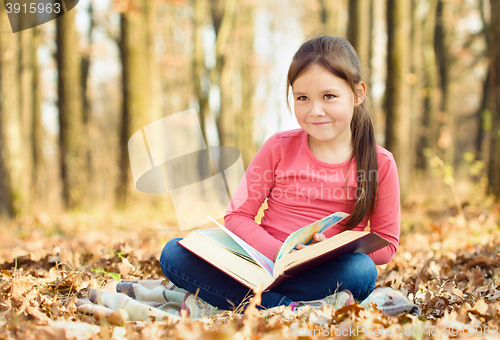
337, 55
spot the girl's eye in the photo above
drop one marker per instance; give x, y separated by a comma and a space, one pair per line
301, 98
329, 96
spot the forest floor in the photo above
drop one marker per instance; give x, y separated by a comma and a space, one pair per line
447, 263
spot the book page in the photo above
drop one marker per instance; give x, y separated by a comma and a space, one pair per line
262, 260
220, 237
219, 249
304, 235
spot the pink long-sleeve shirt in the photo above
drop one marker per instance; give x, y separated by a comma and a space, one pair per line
301, 189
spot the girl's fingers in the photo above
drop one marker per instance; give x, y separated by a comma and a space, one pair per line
318, 238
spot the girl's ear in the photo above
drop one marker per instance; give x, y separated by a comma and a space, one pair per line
360, 93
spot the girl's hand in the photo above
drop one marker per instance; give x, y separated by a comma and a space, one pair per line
318, 237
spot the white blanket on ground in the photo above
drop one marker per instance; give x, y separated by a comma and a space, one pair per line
390, 302
141, 300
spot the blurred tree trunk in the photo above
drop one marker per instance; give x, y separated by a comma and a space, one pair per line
397, 97
70, 104
494, 104
430, 118
482, 113
13, 177
245, 76
358, 32
416, 79
483, 118
378, 47
87, 110
329, 14
223, 13
40, 187
155, 102
134, 57
201, 74
371, 38
442, 47
156, 107
28, 61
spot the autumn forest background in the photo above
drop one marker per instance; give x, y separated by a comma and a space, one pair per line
74, 90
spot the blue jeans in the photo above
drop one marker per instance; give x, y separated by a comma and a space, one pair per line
355, 272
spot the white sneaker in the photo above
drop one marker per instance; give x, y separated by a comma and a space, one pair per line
337, 300
197, 308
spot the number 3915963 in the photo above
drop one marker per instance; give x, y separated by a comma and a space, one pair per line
33, 8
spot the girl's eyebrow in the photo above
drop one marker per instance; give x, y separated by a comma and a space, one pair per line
331, 90
298, 93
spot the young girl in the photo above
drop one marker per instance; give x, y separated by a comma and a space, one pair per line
330, 164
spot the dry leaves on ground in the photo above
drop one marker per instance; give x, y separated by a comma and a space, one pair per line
451, 270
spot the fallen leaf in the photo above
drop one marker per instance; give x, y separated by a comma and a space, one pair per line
20, 287
64, 330
457, 292
480, 306
476, 277
118, 317
125, 268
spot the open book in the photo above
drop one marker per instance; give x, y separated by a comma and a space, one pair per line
226, 251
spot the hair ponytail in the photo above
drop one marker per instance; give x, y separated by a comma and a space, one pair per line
365, 154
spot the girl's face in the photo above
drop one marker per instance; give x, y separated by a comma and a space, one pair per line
324, 105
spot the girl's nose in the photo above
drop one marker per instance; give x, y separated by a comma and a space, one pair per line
316, 110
